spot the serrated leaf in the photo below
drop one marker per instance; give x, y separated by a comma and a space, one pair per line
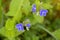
9, 28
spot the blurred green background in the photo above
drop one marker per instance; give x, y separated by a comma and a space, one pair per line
17, 11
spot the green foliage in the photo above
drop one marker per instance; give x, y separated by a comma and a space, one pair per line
1, 14
57, 34
15, 7
26, 8
38, 18
15, 10
42, 28
27, 36
46, 5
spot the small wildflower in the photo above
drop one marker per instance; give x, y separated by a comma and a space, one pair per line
20, 27
33, 8
28, 25
43, 12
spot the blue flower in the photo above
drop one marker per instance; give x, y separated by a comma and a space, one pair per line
33, 8
20, 27
43, 12
28, 25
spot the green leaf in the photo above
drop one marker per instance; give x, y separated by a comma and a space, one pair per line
15, 7
57, 34
10, 28
1, 17
15, 11
0, 13
43, 28
18, 32
0, 2
38, 18
32, 19
27, 36
26, 8
2, 31
37, 2
47, 6
35, 37
46, 1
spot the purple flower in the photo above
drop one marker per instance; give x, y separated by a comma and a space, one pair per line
43, 12
20, 27
33, 8
28, 25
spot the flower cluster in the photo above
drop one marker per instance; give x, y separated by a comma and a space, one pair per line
42, 12
20, 26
